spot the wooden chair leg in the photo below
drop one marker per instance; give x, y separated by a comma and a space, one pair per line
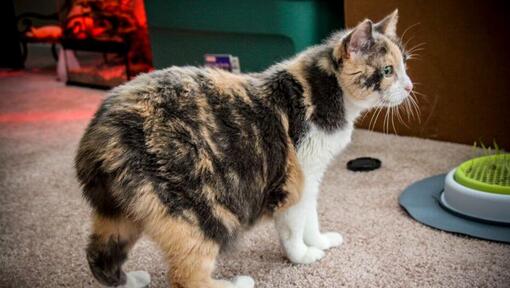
54, 51
24, 52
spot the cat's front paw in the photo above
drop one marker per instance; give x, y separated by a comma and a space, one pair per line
325, 241
243, 282
307, 256
335, 239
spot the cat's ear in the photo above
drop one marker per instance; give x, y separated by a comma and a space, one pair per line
361, 38
388, 25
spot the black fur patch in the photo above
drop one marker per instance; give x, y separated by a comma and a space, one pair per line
374, 81
287, 94
98, 194
337, 63
106, 259
327, 98
382, 51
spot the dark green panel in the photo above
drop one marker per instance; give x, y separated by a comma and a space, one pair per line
186, 47
259, 32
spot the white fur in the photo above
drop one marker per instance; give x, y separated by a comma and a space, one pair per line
243, 282
298, 226
396, 94
136, 279
237, 282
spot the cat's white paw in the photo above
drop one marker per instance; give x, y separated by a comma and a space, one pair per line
310, 255
136, 279
325, 241
243, 282
335, 239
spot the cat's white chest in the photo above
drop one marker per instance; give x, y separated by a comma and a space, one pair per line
318, 148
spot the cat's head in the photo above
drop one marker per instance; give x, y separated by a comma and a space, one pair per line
373, 64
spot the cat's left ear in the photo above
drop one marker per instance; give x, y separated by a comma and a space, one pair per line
388, 25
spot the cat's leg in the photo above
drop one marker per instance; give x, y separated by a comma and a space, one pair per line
109, 244
191, 257
312, 235
299, 230
290, 219
190, 254
291, 227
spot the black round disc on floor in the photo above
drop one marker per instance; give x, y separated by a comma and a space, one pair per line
363, 164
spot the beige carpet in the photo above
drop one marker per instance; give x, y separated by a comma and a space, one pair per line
44, 221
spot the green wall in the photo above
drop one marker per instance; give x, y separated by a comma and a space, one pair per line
259, 32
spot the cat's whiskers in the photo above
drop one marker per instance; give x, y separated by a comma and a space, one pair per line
393, 119
412, 53
414, 104
390, 119
364, 115
379, 106
372, 116
417, 47
377, 117
399, 116
408, 29
409, 111
414, 56
419, 93
386, 120
407, 41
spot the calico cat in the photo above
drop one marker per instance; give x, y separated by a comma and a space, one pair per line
194, 156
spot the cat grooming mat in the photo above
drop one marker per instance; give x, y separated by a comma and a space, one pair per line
472, 199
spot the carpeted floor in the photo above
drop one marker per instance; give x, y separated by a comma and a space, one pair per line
44, 221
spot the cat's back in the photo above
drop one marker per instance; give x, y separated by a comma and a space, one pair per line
187, 129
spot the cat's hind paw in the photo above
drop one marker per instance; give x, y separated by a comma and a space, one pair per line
136, 279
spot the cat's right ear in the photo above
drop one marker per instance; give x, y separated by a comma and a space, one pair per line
360, 39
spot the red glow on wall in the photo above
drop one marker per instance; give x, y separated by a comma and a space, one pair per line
53, 116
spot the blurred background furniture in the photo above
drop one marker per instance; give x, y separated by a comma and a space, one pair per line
10, 50
106, 39
94, 71
109, 41
29, 34
35, 27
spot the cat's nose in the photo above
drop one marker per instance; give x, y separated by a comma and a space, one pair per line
409, 87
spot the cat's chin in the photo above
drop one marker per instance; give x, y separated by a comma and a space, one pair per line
390, 104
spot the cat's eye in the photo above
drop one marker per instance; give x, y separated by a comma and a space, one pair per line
388, 71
